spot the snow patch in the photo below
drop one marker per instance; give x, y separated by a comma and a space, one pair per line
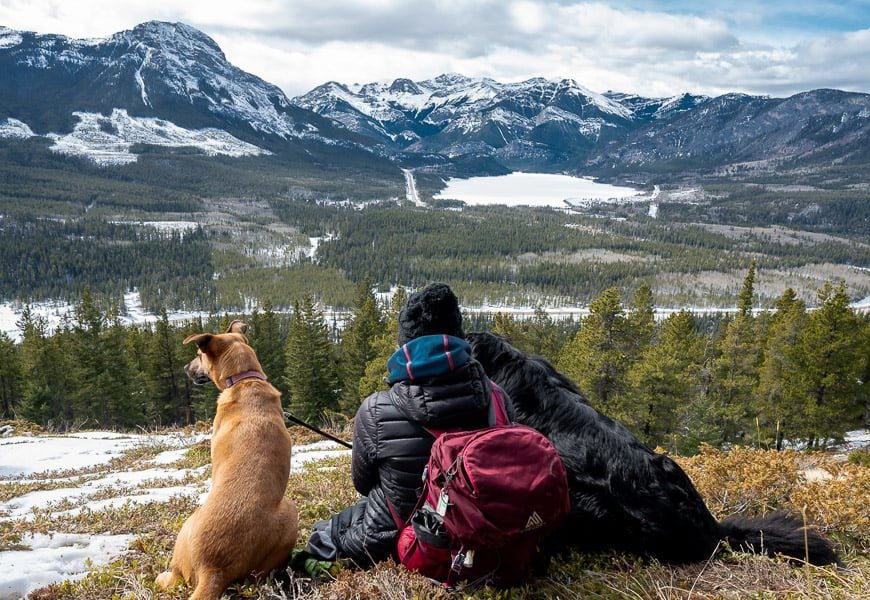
107, 140
308, 453
9, 37
315, 244
56, 313
54, 558
15, 129
24, 456
140, 81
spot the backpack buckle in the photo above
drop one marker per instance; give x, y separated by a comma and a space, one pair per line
458, 562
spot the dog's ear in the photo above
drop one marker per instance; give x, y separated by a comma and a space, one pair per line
202, 339
237, 327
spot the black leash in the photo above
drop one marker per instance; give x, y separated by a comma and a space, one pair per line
298, 421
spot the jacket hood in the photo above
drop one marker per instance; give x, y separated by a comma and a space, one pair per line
448, 388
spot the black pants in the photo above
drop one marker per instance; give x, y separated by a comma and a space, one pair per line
361, 533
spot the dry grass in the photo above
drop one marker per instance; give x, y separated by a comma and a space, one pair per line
751, 481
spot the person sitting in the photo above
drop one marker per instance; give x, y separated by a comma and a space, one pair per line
435, 385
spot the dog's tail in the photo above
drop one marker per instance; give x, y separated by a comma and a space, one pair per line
778, 533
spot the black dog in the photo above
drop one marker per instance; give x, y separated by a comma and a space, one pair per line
624, 496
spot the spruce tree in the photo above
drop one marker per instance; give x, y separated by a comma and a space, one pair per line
746, 296
169, 403
779, 404
11, 373
640, 321
268, 336
374, 379
735, 376
595, 358
90, 398
831, 362
311, 375
47, 361
664, 383
358, 346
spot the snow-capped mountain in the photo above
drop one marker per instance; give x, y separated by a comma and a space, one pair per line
159, 83
170, 85
452, 114
559, 124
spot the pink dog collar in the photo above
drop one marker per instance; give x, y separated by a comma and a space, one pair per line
234, 379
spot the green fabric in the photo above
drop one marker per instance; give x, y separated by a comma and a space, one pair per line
302, 561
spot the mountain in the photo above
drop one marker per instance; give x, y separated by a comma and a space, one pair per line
453, 115
159, 83
170, 85
810, 128
560, 125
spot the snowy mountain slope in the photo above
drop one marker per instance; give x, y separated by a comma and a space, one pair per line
451, 113
159, 71
558, 124
132, 81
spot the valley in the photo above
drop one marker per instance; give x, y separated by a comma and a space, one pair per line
366, 175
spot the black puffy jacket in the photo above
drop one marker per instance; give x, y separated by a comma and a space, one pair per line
390, 450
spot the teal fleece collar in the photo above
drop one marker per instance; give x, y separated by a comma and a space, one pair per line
428, 356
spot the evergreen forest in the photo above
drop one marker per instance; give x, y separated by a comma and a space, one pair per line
772, 379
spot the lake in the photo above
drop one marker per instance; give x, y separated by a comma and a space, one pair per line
534, 189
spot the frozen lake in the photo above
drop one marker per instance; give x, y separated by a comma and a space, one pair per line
534, 189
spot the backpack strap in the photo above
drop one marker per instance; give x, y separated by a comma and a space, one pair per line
497, 411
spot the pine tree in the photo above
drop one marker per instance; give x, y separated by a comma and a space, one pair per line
747, 292
268, 337
735, 376
125, 408
507, 326
47, 361
595, 357
537, 335
779, 402
831, 362
664, 382
90, 397
374, 379
11, 374
640, 321
311, 374
358, 345
169, 402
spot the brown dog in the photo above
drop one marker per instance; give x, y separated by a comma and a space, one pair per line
246, 526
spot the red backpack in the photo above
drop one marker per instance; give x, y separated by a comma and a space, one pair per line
489, 497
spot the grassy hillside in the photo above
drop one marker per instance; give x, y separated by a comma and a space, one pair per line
832, 491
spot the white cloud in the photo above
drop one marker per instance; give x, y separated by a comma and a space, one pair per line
686, 46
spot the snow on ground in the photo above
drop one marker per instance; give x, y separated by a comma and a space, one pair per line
55, 313
181, 227
860, 438
46, 461
315, 243
108, 140
25, 455
303, 455
13, 128
55, 557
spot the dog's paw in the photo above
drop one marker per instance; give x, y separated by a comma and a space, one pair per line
167, 579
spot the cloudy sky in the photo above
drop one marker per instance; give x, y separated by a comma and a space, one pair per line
651, 47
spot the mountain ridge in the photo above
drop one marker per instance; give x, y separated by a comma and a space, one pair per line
58, 86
